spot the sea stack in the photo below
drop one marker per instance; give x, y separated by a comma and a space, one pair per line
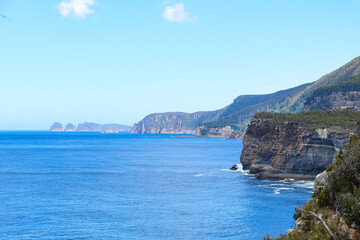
70, 127
57, 127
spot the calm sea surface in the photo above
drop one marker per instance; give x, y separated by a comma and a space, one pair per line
102, 186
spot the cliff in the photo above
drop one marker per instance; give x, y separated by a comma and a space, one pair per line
174, 123
298, 146
334, 210
237, 115
216, 123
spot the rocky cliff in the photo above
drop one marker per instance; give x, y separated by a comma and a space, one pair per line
333, 212
174, 123
298, 146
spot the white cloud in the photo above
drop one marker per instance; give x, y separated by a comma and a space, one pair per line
80, 8
177, 13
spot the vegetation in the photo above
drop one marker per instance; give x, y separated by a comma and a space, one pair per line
334, 207
350, 69
319, 98
315, 119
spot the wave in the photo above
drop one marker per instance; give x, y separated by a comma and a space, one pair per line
239, 169
199, 175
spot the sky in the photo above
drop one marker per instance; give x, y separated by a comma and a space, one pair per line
117, 61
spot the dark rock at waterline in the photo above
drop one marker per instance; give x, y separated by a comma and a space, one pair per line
234, 168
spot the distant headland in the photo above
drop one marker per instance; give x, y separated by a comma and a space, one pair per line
90, 127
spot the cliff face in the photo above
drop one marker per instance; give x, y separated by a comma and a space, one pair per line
333, 212
296, 146
173, 123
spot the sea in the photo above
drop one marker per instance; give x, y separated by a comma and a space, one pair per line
133, 186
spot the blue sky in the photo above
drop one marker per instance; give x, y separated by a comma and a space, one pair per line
117, 61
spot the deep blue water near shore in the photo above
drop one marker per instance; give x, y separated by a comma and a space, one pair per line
101, 186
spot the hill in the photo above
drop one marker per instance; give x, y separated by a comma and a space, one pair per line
231, 121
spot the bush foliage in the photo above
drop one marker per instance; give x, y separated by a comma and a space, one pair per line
339, 199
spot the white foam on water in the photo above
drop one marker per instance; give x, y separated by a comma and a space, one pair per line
238, 170
277, 191
199, 175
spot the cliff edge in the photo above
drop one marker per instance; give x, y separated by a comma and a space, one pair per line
298, 146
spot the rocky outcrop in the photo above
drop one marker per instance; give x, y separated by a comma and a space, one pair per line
56, 127
90, 127
298, 146
70, 127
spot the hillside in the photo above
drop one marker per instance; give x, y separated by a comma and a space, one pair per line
292, 102
235, 117
350, 69
179, 122
343, 95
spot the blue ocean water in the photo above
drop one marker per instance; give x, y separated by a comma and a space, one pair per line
122, 186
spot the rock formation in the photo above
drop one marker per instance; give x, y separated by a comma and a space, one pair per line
91, 127
70, 127
298, 146
56, 127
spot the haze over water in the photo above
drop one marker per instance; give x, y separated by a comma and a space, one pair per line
102, 186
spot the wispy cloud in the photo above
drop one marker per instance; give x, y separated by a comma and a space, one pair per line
177, 13
79, 8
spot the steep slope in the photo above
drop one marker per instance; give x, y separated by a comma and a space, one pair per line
245, 106
289, 101
233, 119
343, 95
238, 114
350, 69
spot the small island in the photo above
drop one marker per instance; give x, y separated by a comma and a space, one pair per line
90, 127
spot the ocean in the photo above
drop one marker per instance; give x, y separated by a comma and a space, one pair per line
131, 186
